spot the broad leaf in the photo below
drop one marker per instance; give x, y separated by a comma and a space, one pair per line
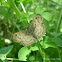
4, 51
22, 54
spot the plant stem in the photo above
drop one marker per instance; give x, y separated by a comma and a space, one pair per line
38, 44
42, 53
59, 22
12, 59
14, 7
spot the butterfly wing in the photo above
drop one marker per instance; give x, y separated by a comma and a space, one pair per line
37, 29
24, 37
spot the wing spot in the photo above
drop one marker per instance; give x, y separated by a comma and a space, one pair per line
36, 17
15, 34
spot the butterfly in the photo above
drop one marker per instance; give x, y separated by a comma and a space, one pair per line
35, 31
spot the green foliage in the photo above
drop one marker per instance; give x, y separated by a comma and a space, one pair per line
23, 52
13, 19
58, 41
4, 11
4, 51
47, 16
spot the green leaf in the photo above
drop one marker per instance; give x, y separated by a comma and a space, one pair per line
24, 16
23, 19
39, 10
48, 44
58, 41
31, 17
23, 52
35, 48
4, 51
30, 12
51, 44
47, 16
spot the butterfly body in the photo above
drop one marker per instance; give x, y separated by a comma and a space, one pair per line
35, 31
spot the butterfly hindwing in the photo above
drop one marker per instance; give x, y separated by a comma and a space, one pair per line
37, 28
40, 31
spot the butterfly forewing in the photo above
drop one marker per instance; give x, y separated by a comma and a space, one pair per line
38, 20
24, 37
